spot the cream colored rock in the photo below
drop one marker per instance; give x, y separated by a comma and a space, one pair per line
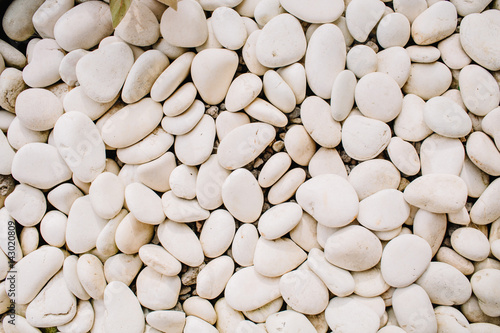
71, 277
201, 308
180, 241
266, 112
304, 292
404, 156
423, 54
372, 176
274, 258
83, 319
227, 121
243, 144
393, 30
484, 210
122, 267
318, 122
67, 67
427, 29
343, 248
172, 77
195, 147
159, 259
43, 69
278, 92
131, 234
479, 90
490, 125
217, 233
38, 109
447, 118
8, 153
376, 92
342, 96
279, 220
183, 181
212, 279
449, 256
273, 169
63, 196
361, 60
18, 135
91, 275
112, 63
17, 19
107, 193
195, 324
325, 59
410, 124
249, 54
428, 80
105, 243
186, 26
77, 100
242, 297
26, 205
229, 28
351, 315
182, 210
180, 100
242, 91
270, 52
11, 85
473, 38
186, 121
144, 204
139, 26
46, 16
327, 160
211, 176
431, 227
295, 77
244, 243
286, 186
172, 321
413, 308
242, 195
123, 310
156, 291
212, 71
439, 154
148, 149
452, 53
384, 210
470, 243
53, 228
482, 282
260, 315
482, 152
364, 138
299, 145
362, 17
437, 193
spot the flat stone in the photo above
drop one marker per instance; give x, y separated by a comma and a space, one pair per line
173, 321
77, 100
139, 26
148, 149
180, 241
70, 273
299, 145
304, 292
321, 12
17, 19
484, 210
211, 176
183, 181
217, 233
156, 291
361, 60
276, 257
155, 174
371, 176
131, 234
229, 28
107, 193
404, 156
266, 112
423, 54
182, 210
53, 228
144, 203
242, 91
351, 315
244, 243
427, 28
342, 96
242, 195
91, 275
447, 118
318, 122
364, 138
180, 100
452, 53
413, 308
470, 243
428, 80
479, 90
279, 220
384, 210
123, 310
212, 279
481, 150
38, 109
362, 17
286, 186
43, 68
156, 257
249, 54
481, 282
122, 267
201, 308
195, 147
393, 30
26, 204
278, 92
439, 154
170, 79
295, 77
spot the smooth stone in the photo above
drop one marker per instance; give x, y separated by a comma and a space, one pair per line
248, 290
342, 96
217, 233
249, 54
148, 149
270, 52
304, 292
156, 257
180, 100
273, 169
404, 156
404, 260
201, 308
242, 196
266, 10
490, 125
41, 116
74, 30
447, 118
480, 39
321, 12
182, 210
461, 217
325, 59
361, 60
276, 257
395, 62
479, 90
482, 152
229, 28
212, 71
351, 315
445, 284
53, 228
171, 51
211, 5
335, 192
434, 24
43, 68
439, 154
393, 30
227, 317
431, 227
243, 144
244, 243
139, 26
484, 328
364, 138
105, 243
260, 315
131, 234
378, 96
305, 233
318, 122
372, 176
17, 20
6, 119
437, 193
155, 174
343, 248
295, 77
156, 291
369, 283
289, 320
11, 85
212, 279
142, 75
410, 124
12, 56
413, 309
266, 112
384, 210
195, 147
122, 267
362, 17
327, 160
183, 181
82, 321
39, 165
339, 281
144, 203
27, 205
242, 91
91, 275
77, 100
132, 123
452, 53
470, 243
186, 26
46, 16
451, 319
227, 121
80, 144
70, 273
106, 85
168, 81
411, 9
107, 194
451, 257
485, 210
211, 177
423, 54
278, 92
428, 80
54, 305
286, 186
123, 310
29, 239
465, 8
279, 220
63, 196
67, 67
171, 321
180, 241
483, 283
299, 145
195, 324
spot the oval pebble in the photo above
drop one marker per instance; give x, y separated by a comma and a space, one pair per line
156, 257
482, 152
452, 53
183, 181
439, 154
212, 279
195, 147
276, 257
242, 195
393, 30
447, 118
186, 121
404, 156
304, 292
107, 194
384, 210
286, 186
131, 234
413, 308
242, 91
244, 243
180, 241
139, 26
342, 96
217, 233
362, 17
273, 169
279, 220
180, 100
38, 109
266, 112
479, 90
278, 92
27, 205
485, 210
168, 81
318, 122
144, 203
434, 24
229, 28
483, 283
182, 210
351, 315
91, 274
428, 80
470, 243
361, 60
211, 176
364, 138
156, 291
409, 124
123, 310
321, 12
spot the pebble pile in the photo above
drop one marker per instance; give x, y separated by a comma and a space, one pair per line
242, 166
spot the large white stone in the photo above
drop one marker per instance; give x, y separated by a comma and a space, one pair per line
180, 241
38, 109
217, 233
364, 138
318, 122
447, 118
413, 309
383, 211
195, 147
435, 23
242, 195
276, 257
139, 26
481, 150
123, 310
212, 279
362, 17
479, 90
